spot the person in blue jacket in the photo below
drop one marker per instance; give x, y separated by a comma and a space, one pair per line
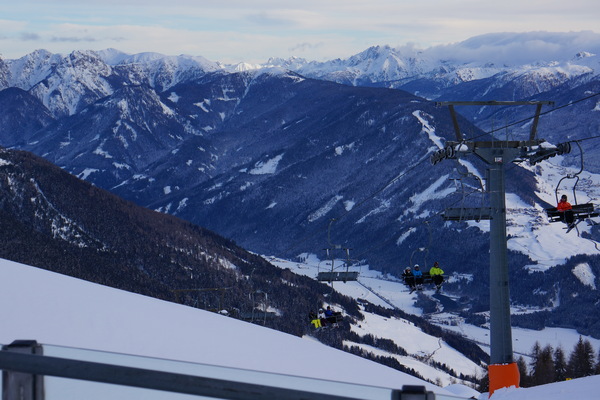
330, 315
418, 277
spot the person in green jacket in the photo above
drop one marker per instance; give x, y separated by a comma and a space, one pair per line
437, 275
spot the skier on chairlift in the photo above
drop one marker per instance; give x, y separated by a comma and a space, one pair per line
409, 279
437, 276
566, 209
418, 277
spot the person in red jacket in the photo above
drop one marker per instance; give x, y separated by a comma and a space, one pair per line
565, 207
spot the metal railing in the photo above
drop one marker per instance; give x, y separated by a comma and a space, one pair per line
25, 367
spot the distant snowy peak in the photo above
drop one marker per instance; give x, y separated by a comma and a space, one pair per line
158, 70
376, 64
115, 57
278, 72
30, 69
480, 57
73, 82
241, 67
290, 63
67, 84
112, 56
382, 63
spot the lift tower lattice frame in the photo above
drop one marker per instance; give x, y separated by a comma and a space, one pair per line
503, 371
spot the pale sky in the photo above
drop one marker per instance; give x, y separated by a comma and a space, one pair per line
251, 31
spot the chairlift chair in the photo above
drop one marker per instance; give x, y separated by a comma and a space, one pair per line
343, 273
343, 276
579, 212
463, 213
339, 274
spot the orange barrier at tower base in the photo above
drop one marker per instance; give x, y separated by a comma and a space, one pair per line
503, 375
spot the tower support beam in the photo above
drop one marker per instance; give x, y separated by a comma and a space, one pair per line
503, 371
501, 351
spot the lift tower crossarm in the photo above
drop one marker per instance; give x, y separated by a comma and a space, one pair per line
459, 136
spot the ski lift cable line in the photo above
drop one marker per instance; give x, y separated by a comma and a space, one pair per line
437, 214
588, 138
324, 226
532, 117
388, 184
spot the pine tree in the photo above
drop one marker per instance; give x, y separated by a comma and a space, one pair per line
560, 365
590, 357
581, 361
535, 355
525, 379
543, 371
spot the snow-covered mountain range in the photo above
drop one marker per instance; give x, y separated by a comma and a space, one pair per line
269, 155
546, 60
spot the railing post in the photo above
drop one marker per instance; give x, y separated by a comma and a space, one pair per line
22, 385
